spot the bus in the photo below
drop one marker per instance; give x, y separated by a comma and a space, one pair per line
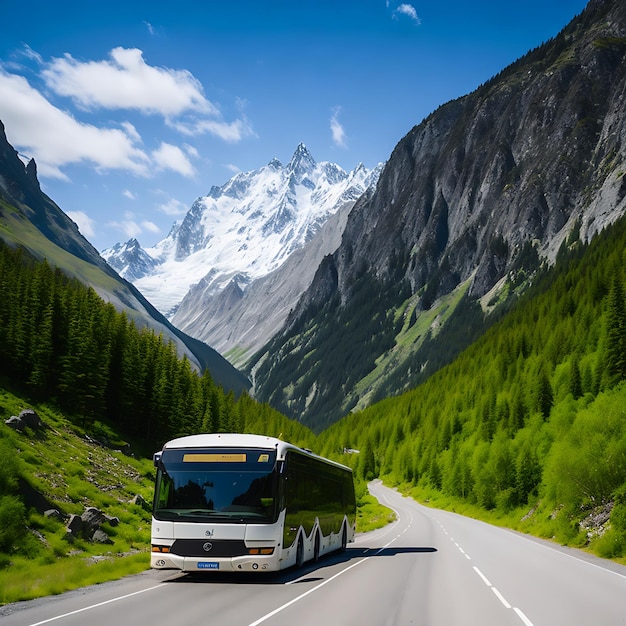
247, 503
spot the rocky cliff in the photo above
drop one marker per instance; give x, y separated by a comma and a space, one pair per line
484, 188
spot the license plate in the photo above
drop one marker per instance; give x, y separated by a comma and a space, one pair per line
208, 565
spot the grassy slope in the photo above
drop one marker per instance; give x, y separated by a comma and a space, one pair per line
61, 468
72, 473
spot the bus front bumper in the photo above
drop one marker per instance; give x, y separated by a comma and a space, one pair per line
248, 563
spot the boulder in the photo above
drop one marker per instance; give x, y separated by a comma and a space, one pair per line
26, 419
100, 536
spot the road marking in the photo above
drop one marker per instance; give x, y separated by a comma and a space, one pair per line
306, 593
325, 582
95, 606
501, 598
521, 615
482, 576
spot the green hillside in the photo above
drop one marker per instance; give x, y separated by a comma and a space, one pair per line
528, 426
108, 394
59, 468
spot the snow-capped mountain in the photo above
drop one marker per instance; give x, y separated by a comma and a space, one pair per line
241, 231
130, 260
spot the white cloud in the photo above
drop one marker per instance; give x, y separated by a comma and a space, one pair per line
129, 194
85, 224
131, 131
131, 227
150, 226
29, 53
126, 81
172, 207
191, 151
339, 135
169, 157
56, 138
231, 132
409, 11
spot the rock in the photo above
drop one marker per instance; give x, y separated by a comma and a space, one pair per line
140, 501
53, 514
88, 525
26, 419
15, 423
31, 419
596, 521
92, 518
112, 521
74, 526
100, 536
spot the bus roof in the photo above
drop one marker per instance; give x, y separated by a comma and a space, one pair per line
237, 440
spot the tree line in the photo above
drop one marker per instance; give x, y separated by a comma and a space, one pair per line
61, 343
530, 417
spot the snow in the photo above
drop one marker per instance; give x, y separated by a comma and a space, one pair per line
247, 227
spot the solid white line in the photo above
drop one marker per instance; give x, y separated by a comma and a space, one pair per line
482, 576
576, 558
306, 593
501, 598
95, 606
521, 615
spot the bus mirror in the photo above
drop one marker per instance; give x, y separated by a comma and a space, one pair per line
157, 459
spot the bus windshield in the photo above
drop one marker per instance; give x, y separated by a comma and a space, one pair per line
217, 485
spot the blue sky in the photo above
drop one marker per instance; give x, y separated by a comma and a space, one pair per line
134, 109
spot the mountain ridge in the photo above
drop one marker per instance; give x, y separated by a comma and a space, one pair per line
31, 219
238, 233
482, 191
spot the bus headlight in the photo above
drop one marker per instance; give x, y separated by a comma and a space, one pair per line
161, 549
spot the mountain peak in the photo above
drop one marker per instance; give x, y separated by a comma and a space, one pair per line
302, 161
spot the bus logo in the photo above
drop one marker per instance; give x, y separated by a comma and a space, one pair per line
207, 547
209, 533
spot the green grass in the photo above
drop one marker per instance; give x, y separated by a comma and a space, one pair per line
409, 339
372, 515
25, 579
59, 468
537, 520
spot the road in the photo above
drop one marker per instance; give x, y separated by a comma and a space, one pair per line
429, 568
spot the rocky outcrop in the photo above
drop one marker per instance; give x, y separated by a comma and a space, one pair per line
88, 526
27, 418
485, 188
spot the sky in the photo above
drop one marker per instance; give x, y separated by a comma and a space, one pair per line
134, 109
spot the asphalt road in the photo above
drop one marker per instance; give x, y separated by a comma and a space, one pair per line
430, 568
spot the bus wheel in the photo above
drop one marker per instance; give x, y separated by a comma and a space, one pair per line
344, 538
300, 553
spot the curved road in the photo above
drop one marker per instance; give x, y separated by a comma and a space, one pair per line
430, 568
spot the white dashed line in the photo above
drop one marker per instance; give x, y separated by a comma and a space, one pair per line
501, 598
498, 595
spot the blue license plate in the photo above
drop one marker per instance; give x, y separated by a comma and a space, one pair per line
208, 565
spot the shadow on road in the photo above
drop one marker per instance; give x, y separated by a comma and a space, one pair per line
310, 572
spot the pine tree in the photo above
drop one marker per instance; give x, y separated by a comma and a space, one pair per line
616, 332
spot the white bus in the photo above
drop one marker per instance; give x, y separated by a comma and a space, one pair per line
247, 503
